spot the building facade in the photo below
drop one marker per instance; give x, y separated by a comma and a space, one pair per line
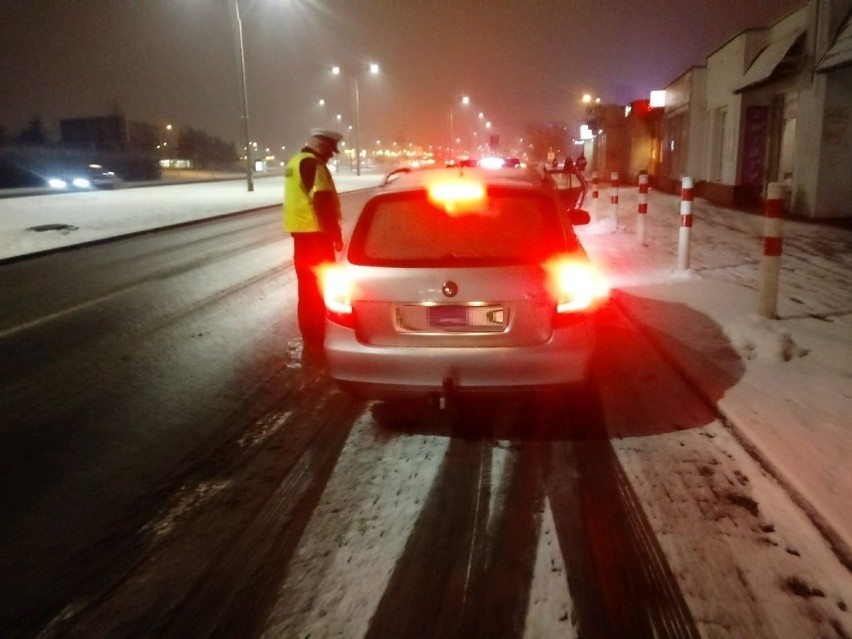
682, 130
776, 107
773, 104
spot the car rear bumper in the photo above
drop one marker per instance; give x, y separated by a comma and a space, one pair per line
388, 372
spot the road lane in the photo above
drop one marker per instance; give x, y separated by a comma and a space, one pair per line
122, 361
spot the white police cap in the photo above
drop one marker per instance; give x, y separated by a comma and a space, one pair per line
332, 136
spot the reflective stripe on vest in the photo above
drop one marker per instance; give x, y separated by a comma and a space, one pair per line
299, 214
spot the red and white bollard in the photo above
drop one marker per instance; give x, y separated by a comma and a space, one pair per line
594, 196
685, 223
770, 266
642, 219
613, 195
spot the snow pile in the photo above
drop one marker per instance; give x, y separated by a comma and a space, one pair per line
760, 338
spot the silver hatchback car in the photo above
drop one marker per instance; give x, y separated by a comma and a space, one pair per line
461, 280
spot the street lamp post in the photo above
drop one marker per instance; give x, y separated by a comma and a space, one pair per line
462, 100
374, 69
239, 23
357, 128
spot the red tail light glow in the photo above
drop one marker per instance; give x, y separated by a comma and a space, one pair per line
576, 284
337, 293
457, 195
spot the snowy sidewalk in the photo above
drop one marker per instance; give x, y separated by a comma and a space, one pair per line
31, 224
788, 394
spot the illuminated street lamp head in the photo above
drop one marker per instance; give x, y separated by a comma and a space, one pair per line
374, 69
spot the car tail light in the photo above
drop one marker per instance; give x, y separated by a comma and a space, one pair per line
576, 285
337, 293
457, 195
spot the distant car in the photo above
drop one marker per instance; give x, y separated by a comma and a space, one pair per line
55, 169
461, 280
492, 163
62, 179
23, 171
103, 178
93, 176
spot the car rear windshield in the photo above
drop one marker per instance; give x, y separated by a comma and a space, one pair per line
511, 226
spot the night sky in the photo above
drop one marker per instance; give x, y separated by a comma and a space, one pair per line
519, 61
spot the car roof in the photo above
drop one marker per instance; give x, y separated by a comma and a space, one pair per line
418, 179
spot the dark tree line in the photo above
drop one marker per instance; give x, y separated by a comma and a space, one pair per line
32, 134
204, 150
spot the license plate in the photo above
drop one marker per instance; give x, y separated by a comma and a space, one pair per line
448, 316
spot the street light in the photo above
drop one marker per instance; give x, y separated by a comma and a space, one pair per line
464, 100
374, 69
335, 118
239, 24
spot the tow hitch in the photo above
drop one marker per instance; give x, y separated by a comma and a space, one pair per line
447, 388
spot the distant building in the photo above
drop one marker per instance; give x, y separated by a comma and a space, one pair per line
627, 140
108, 133
681, 132
772, 104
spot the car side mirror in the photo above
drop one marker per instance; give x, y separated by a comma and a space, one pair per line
578, 217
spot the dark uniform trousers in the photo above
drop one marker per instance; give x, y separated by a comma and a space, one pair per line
310, 250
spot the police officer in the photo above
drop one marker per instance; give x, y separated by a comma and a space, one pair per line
312, 217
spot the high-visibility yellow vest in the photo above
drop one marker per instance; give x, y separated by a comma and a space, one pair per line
299, 214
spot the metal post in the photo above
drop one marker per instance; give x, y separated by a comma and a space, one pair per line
613, 197
685, 223
452, 140
641, 220
357, 128
770, 265
594, 196
249, 183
